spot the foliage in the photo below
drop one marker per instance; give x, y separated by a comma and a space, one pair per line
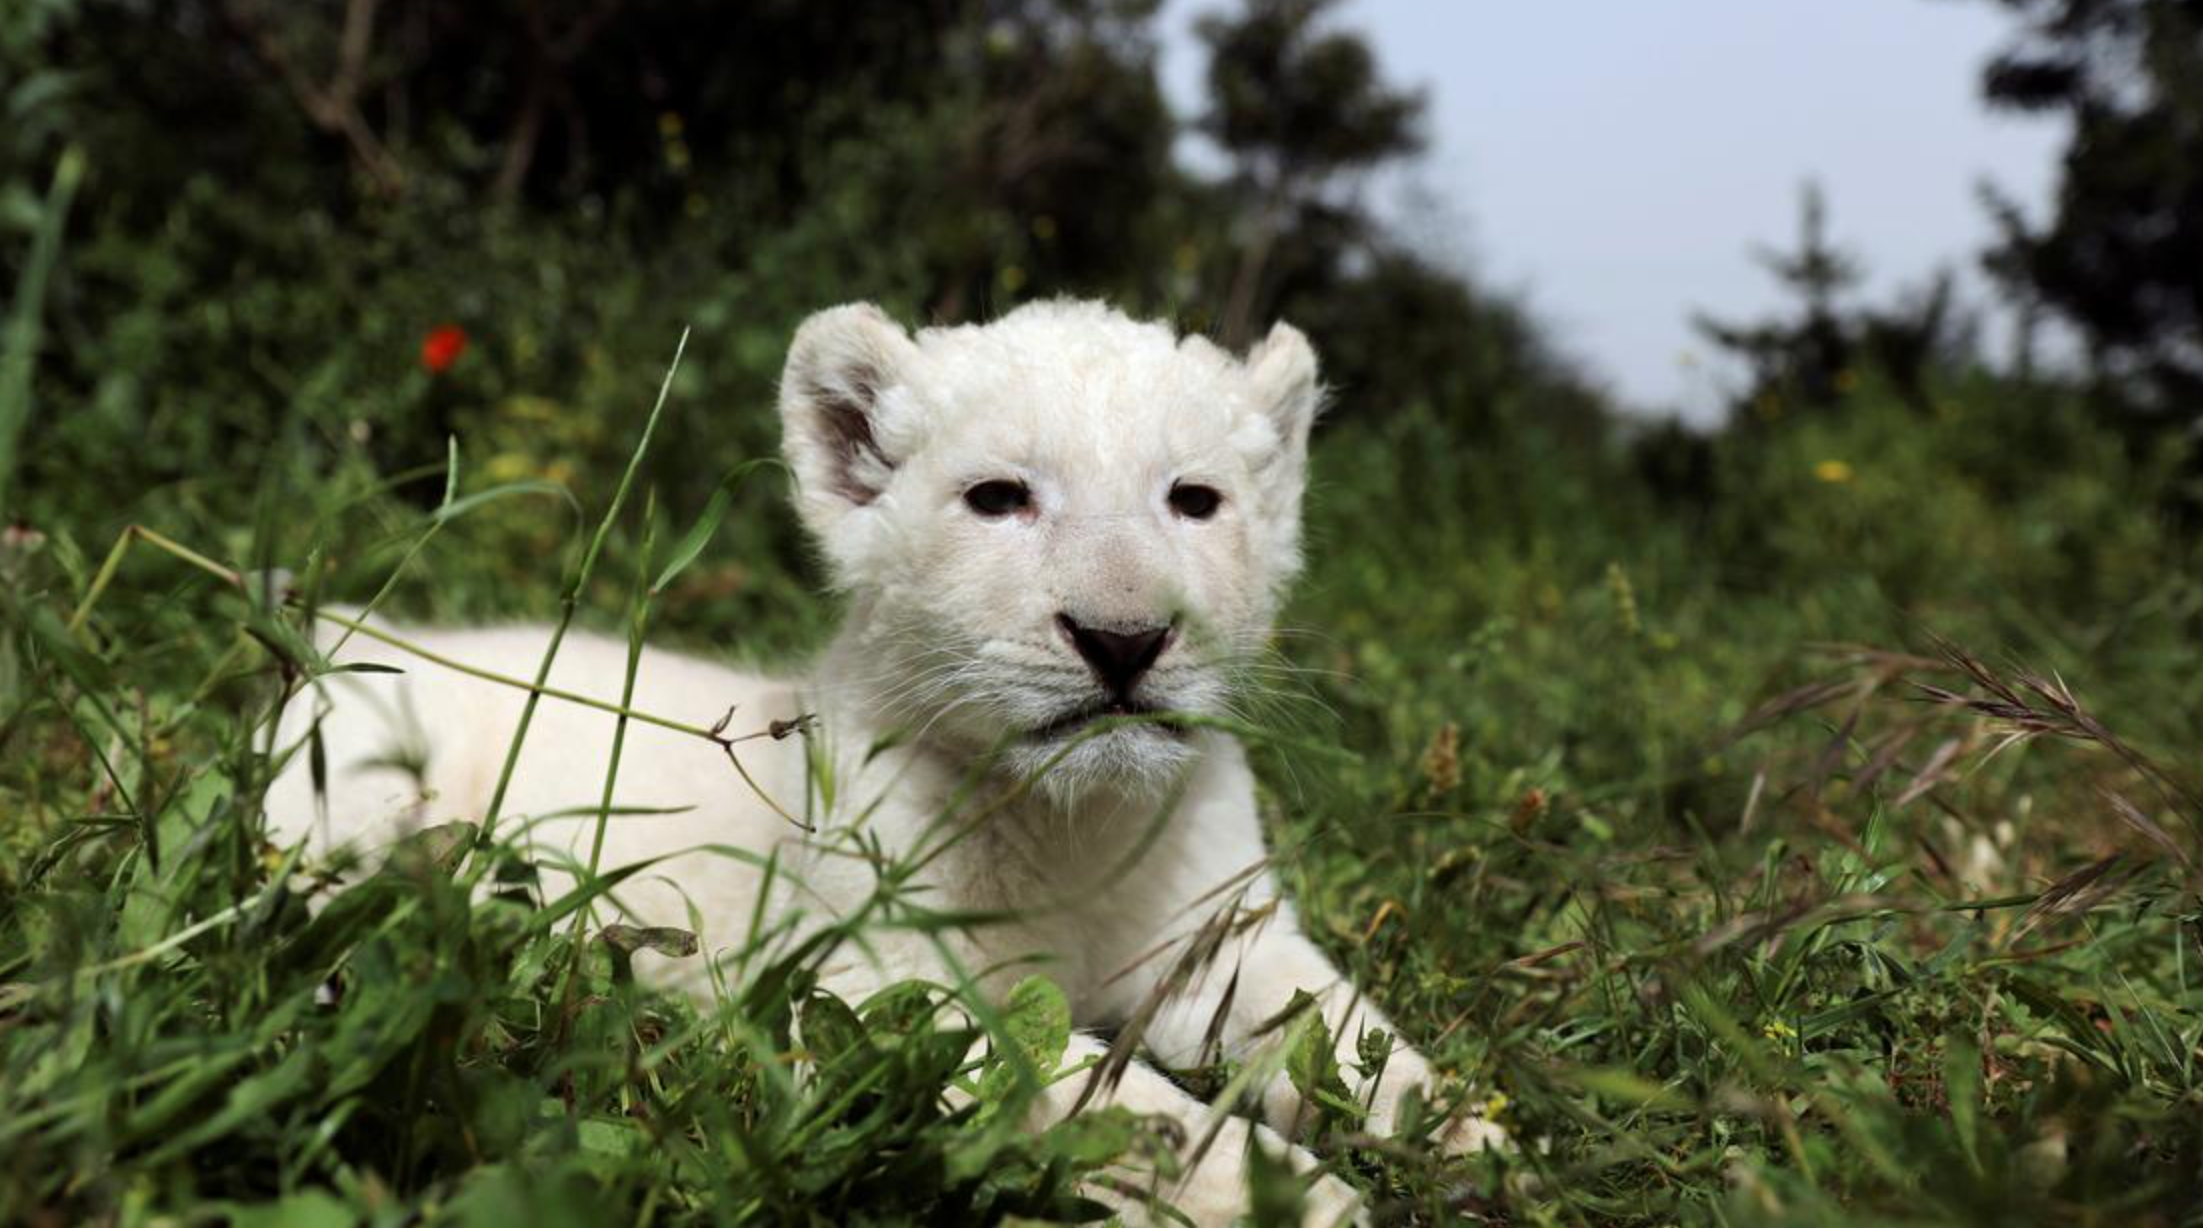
1688, 888
238, 276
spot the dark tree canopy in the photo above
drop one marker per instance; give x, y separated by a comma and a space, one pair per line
1802, 358
2121, 256
1300, 108
1809, 354
1293, 99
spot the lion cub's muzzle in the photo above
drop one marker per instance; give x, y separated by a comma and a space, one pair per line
1119, 657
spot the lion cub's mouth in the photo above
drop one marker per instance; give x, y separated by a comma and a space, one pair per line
1072, 722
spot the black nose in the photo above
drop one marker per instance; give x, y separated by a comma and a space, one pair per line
1117, 657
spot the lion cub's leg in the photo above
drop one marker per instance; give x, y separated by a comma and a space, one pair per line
1211, 1185
1253, 984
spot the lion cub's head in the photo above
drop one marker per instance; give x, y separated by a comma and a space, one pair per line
1058, 516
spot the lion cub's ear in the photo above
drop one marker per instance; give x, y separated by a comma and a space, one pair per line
843, 407
1284, 393
1281, 371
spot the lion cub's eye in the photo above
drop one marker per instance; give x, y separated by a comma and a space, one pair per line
998, 498
1195, 502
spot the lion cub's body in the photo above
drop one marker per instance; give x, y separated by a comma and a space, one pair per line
1056, 518
1096, 889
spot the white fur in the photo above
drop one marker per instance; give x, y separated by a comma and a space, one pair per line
1110, 853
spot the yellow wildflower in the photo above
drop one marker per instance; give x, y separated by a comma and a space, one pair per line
1833, 472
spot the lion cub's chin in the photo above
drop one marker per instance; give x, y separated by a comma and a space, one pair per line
1124, 763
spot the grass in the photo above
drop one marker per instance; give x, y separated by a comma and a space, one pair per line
1684, 831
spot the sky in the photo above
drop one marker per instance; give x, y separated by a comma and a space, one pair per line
1615, 162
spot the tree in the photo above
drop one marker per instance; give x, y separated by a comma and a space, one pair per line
1811, 357
1803, 359
1303, 112
2121, 257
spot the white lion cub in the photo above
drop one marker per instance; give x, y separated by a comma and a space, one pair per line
1041, 523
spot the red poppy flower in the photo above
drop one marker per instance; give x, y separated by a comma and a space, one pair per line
442, 347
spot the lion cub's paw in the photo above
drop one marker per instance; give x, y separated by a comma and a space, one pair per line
1215, 1191
1331, 1202
1469, 1134
1215, 1200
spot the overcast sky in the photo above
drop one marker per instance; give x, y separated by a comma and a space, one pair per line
1616, 160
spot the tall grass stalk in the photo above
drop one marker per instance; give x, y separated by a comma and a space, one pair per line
570, 600
20, 344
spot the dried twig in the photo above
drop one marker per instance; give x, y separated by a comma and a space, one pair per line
334, 105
